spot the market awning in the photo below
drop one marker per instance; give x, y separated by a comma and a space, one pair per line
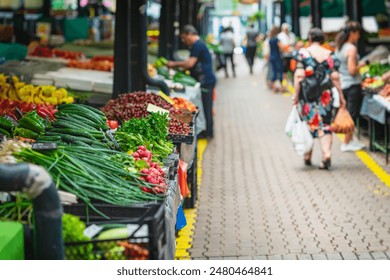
335, 8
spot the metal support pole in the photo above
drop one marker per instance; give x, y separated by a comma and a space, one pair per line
295, 14
46, 8
282, 12
316, 13
127, 58
167, 29
354, 11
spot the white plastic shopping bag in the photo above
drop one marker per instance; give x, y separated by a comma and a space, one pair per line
301, 137
291, 120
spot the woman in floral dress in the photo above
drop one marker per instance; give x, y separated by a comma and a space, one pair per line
320, 113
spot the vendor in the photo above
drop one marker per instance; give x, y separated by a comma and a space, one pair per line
200, 66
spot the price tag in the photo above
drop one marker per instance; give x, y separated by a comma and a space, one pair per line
155, 109
141, 232
44, 146
92, 230
109, 133
166, 98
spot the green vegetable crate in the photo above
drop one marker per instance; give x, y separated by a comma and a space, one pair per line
144, 223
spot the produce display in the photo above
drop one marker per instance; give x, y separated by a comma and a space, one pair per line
178, 77
98, 160
15, 90
56, 53
372, 83
109, 244
154, 128
134, 105
372, 75
100, 65
181, 103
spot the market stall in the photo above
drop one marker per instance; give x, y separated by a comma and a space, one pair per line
376, 106
75, 142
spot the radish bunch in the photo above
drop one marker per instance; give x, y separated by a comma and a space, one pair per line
151, 173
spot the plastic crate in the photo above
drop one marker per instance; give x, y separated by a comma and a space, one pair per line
188, 139
146, 224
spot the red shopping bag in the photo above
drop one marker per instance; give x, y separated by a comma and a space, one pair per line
182, 176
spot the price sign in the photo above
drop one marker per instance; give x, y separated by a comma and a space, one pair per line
92, 230
44, 146
155, 109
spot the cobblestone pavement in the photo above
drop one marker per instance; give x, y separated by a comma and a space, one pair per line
258, 201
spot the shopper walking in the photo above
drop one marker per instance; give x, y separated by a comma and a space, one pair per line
275, 59
251, 38
201, 68
228, 45
318, 113
350, 78
287, 40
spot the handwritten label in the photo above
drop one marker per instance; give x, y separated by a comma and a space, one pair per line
155, 109
134, 232
44, 146
92, 230
109, 133
166, 97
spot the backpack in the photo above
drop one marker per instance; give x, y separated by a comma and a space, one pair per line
315, 83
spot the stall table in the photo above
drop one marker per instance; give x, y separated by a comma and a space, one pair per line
377, 110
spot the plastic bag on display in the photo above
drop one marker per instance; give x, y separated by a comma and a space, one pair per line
301, 137
293, 117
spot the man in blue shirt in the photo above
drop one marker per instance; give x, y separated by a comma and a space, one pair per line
200, 65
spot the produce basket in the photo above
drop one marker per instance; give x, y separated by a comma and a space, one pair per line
145, 225
187, 139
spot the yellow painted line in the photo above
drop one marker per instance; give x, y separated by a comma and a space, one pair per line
184, 239
374, 167
371, 164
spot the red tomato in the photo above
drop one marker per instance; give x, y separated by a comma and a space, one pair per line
112, 124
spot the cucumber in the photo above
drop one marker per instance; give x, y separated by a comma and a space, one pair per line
81, 107
111, 226
79, 132
45, 138
81, 121
115, 233
84, 113
71, 124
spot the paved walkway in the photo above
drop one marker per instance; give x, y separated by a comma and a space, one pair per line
258, 201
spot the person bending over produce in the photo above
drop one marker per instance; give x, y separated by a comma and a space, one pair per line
201, 68
350, 78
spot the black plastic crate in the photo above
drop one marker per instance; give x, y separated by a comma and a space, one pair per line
192, 182
146, 224
187, 139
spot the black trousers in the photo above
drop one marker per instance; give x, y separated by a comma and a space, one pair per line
207, 100
353, 96
229, 56
250, 55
